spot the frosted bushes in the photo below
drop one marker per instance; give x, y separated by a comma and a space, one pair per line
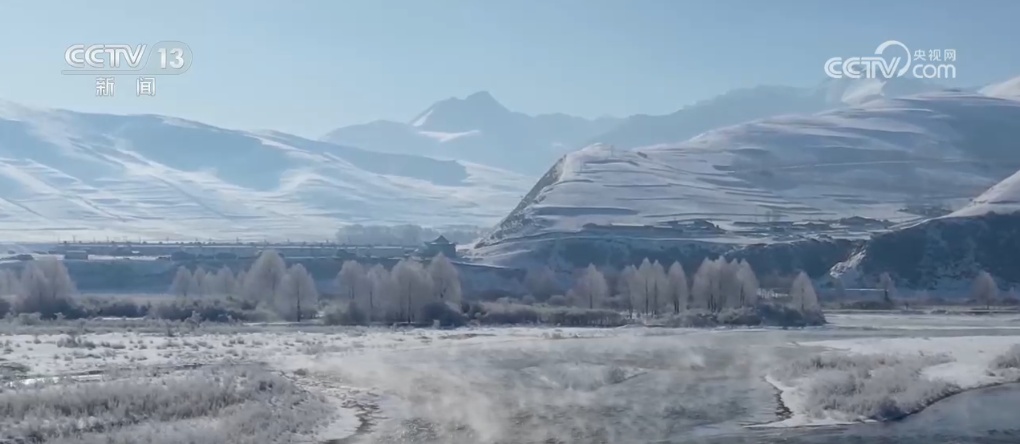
854, 387
243, 400
1008, 360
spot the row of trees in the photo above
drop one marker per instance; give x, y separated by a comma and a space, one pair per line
402, 293
652, 289
398, 294
290, 292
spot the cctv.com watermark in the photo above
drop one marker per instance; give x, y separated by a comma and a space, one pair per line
893, 59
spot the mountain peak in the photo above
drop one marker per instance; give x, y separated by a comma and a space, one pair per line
455, 114
482, 97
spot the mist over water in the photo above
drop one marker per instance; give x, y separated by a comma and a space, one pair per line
677, 387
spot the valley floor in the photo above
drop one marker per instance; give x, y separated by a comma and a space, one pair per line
291, 383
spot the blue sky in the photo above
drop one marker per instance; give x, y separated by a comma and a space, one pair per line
307, 66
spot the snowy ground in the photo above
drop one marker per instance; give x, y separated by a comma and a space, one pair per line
516, 385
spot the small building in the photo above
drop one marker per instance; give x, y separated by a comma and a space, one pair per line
440, 245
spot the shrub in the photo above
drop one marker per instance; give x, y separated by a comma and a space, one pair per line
114, 308
350, 314
443, 313
214, 310
1008, 360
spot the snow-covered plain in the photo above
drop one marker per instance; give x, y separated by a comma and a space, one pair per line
525, 385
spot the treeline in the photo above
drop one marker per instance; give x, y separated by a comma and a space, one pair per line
414, 292
652, 289
405, 235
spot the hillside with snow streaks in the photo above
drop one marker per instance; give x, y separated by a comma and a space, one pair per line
869, 161
67, 174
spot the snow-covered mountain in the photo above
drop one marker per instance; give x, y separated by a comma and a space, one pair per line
760, 102
65, 173
947, 252
774, 179
479, 129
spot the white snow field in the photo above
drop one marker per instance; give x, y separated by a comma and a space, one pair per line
870, 161
492, 385
65, 174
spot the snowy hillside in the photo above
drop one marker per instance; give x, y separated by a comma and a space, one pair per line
1003, 198
477, 128
69, 174
1010, 89
947, 252
743, 105
870, 161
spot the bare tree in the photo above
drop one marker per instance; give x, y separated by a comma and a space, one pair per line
183, 284
352, 279
985, 290
802, 294
541, 282
297, 293
262, 282
445, 279
887, 287
679, 292
591, 288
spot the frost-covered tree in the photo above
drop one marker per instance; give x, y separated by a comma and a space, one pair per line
802, 294
887, 287
984, 289
239, 280
378, 297
199, 277
748, 284
8, 282
626, 287
183, 284
706, 291
220, 284
44, 287
351, 280
541, 282
730, 285
591, 289
412, 286
660, 287
262, 282
296, 293
445, 279
679, 292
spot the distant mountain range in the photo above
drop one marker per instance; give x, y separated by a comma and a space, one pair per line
480, 129
470, 160
65, 174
